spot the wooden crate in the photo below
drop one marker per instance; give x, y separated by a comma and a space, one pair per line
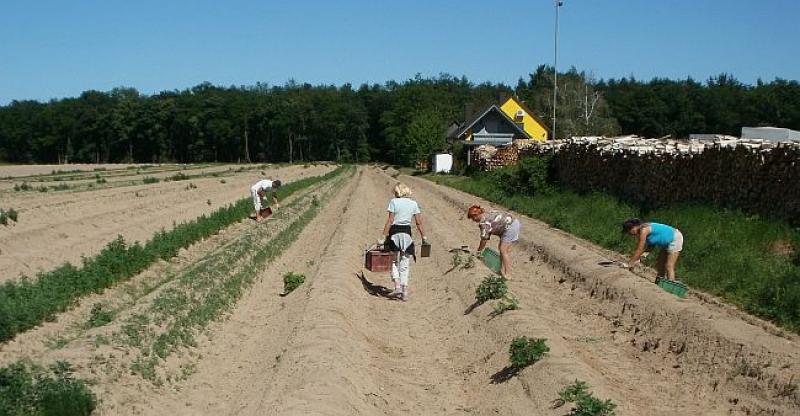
378, 261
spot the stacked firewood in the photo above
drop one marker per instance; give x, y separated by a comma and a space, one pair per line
764, 182
504, 156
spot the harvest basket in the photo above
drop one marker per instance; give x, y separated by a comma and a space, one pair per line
676, 288
491, 259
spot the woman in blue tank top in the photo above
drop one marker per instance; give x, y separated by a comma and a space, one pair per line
653, 234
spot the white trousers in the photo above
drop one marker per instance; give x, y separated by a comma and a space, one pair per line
256, 200
401, 268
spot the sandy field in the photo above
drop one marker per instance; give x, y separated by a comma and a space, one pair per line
338, 345
61, 226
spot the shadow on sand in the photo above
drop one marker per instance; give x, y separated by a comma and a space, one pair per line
504, 375
374, 289
472, 307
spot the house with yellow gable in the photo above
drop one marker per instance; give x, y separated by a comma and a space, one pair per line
499, 125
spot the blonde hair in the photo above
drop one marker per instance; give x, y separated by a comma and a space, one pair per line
401, 190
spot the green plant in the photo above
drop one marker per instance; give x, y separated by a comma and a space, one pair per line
525, 351
101, 180
585, 403
22, 187
292, 281
12, 214
190, 186
42, 188
223, 181
150, 179
508, 303
469, 263
99, 316
3, 217
492, 287
456, 259
30, 390
180, 176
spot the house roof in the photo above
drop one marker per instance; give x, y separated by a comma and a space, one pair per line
468, 125
530, 113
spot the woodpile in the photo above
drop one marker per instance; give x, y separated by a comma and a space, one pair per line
764, 181
490, 158
640, 145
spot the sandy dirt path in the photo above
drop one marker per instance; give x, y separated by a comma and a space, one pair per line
60, 227
338, 347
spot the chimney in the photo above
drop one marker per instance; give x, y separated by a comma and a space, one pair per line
502, 96
469, 111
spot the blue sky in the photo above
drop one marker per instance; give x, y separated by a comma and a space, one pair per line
53, 49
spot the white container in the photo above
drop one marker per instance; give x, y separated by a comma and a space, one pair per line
442, 162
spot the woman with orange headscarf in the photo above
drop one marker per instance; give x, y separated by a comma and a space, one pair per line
501, 224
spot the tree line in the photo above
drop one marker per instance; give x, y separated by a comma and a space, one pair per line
397, 122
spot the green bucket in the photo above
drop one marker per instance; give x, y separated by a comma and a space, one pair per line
491, 259
676, 288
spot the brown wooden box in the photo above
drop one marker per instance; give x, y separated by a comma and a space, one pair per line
378, 261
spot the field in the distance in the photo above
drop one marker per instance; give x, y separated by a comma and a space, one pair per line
98, 202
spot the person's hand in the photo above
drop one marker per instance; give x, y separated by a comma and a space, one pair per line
381, 241
425, 240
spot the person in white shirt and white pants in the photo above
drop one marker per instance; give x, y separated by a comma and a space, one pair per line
397, 236
260, 189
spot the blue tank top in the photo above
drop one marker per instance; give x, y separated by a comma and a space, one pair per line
660, 235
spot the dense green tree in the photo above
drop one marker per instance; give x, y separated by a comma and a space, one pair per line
399, 122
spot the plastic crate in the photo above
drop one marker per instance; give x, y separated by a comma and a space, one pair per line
676, 288
491, 259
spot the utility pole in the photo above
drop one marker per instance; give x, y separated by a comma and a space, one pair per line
558, 4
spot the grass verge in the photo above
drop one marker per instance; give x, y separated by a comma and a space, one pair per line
26, 303
747, 260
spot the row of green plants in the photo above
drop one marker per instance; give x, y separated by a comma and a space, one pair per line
748, 260
206, 291
100, 180
25, 303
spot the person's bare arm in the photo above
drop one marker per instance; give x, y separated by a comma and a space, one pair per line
389, 221
420, 228
640, 246
481, 246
